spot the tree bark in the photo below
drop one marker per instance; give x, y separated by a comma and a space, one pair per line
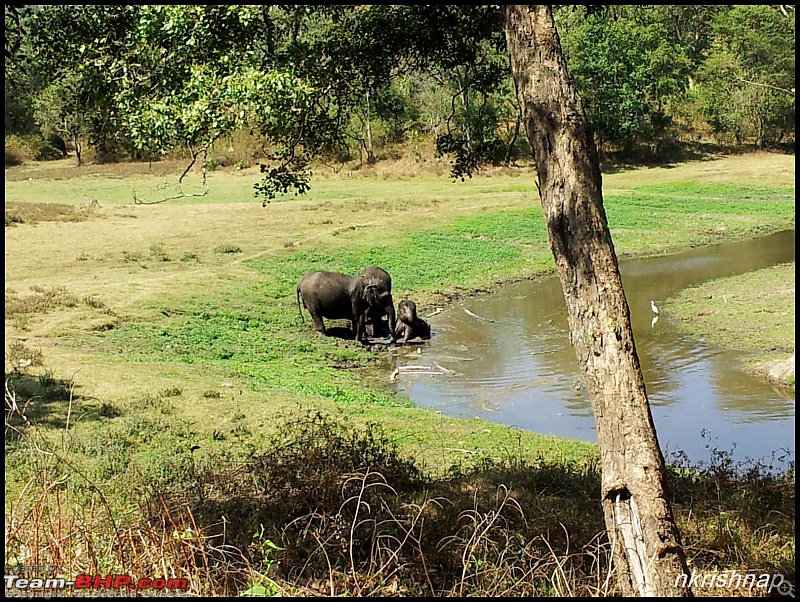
647, 552
368, 121
513, 140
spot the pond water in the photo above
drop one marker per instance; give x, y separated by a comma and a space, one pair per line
506, 357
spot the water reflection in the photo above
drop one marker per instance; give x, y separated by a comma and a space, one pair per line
509, 360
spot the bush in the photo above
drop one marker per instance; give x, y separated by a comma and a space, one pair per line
25, 149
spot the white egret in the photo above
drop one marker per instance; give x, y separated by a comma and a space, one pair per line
653, 307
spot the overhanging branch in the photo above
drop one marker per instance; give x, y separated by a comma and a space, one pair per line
778, 88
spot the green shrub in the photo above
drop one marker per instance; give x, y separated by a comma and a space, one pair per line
228, 249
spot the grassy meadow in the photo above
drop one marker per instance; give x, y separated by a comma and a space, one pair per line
763, 301
160, 378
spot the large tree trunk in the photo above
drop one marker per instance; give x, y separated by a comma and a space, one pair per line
647, 549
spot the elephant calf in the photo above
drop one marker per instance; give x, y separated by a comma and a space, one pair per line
338, 296
409, 325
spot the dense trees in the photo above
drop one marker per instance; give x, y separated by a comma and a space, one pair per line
746, 83
628, 69
135, 81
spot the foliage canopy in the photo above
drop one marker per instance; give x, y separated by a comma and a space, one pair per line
140, 81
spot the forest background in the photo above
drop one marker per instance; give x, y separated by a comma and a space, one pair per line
656, 81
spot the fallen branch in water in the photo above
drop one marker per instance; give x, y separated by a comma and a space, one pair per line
474, 315
435, 370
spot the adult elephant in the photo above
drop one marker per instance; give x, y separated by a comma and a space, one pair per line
375, 314
337, 296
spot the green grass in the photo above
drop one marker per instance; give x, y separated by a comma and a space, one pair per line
250, 329
148, 372
753, 313
718, 310
681, 191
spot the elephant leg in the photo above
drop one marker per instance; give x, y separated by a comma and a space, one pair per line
319, 325
360, 329
403, 330
392, 318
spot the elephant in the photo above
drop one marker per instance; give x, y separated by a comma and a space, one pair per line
409, 325
337, 296
374, 318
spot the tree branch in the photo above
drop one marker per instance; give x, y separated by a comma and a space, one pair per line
779, 89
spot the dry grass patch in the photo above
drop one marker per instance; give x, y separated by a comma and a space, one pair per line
42, 305
33, 213
746, 169
335, 510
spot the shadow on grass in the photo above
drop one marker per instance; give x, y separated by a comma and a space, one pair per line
671, 154
333, 510
340, 332
668, 157
41, 399
49, 401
